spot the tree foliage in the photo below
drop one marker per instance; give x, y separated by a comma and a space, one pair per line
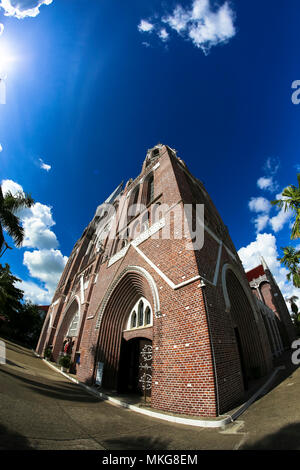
20, 320
291, 201
10, 204
291, 257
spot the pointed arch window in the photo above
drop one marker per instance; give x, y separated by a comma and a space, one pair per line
150, 189
147, 316
133, 320
132, 205
74, 325
141, 315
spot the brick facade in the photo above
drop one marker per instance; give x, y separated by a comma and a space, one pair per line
265, 288
208, 338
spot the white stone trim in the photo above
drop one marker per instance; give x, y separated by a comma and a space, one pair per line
114, 284
218, 265
149, 232
118, 255
256, 282
81, 289
245, 287
135, 309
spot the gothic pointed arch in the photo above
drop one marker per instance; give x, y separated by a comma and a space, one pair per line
247, 325
124, 293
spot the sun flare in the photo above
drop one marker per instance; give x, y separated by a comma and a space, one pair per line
7, 58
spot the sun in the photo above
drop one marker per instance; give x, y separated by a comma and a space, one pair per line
7, 58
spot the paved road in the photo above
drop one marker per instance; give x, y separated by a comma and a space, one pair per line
41, 409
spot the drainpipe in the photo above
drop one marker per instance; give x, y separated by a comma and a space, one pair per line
202, 285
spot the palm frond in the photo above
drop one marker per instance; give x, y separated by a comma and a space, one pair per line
13, 226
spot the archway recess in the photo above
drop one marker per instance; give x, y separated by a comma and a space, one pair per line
244, 318
131, 285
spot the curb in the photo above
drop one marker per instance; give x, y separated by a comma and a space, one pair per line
218, 423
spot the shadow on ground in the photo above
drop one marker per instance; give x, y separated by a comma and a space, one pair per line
63, 391
287, 438
10, 440
136, 443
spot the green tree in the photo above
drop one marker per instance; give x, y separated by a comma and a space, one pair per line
295, 312
20, 321
291, 259
294, 306
10, 295
10, 204
291, 201
26, 324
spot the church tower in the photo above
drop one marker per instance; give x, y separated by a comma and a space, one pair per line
154, 299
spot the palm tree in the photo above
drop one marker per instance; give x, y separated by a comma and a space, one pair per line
291, 259
10, 295
295, 311
291, 201
9, 205
292, 302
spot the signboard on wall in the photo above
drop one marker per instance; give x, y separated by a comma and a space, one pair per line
99, 374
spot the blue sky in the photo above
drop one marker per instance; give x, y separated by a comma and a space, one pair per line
90, 86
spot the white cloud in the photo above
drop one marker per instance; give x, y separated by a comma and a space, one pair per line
267, 183
261, 222
212, 28
259, 204
178, 20
145, 26
262, 206
23, 8
202, 25
45, 265
163, 34
272, 165
46, 262
1, 28
37, 222
34, 293
278, 221
265, 245
44, 165
12, 186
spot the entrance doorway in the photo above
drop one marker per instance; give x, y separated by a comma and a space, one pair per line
135, 369
242, 360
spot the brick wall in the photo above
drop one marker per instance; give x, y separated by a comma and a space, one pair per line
196, 363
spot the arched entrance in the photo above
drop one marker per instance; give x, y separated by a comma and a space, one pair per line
245, 326
125, 331
68, 330
135, 368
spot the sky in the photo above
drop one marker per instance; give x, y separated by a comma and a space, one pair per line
91, 86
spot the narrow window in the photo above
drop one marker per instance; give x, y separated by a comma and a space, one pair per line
141, 314
147, 316
132, 210
133, 320
73, 328
150, 190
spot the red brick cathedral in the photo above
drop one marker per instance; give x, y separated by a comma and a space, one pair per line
154, 298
